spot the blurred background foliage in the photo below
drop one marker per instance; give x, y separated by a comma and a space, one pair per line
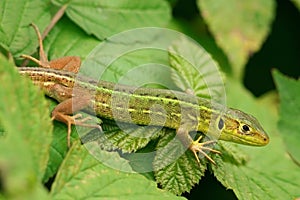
280, 49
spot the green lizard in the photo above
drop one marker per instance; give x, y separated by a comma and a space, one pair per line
181, 111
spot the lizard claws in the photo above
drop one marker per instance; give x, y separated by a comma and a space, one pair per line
75, 120
199, 147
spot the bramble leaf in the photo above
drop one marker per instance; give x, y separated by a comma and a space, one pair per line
195, 70
176, 168
16, 36
26, 122
105, 18
288, 123
95, 180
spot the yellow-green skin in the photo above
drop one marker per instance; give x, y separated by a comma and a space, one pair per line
156, 107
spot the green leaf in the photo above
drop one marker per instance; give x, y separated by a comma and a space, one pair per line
26, 122
58, 148
124, 136
231, 153
176, 168
297, 3
16, 36
129, 67
195, 70
67, 39
125, 57
142, 160
95, 180
288, 124
197, 29
240, 27
264, 173
105, 18
250, 183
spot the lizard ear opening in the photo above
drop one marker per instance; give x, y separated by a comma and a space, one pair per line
221, 124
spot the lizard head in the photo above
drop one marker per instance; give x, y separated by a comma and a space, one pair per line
239, 127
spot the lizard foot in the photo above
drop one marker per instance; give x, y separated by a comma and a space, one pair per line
75, 120
200, 147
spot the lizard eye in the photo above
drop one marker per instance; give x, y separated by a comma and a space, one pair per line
245, 128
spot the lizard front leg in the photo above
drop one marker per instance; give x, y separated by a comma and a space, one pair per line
69, 105
196, 146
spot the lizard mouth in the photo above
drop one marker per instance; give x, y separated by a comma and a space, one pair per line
255, 139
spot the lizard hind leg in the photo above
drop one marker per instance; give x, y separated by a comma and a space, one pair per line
200, 147
43, 61
67, 63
